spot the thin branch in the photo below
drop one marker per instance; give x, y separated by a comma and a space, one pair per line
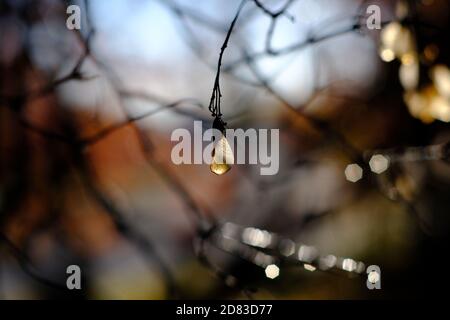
214, 104
28, 267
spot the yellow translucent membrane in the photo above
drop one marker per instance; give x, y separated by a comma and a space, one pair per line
222, 157
219, 169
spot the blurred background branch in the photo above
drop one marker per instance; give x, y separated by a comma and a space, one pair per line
86, 176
